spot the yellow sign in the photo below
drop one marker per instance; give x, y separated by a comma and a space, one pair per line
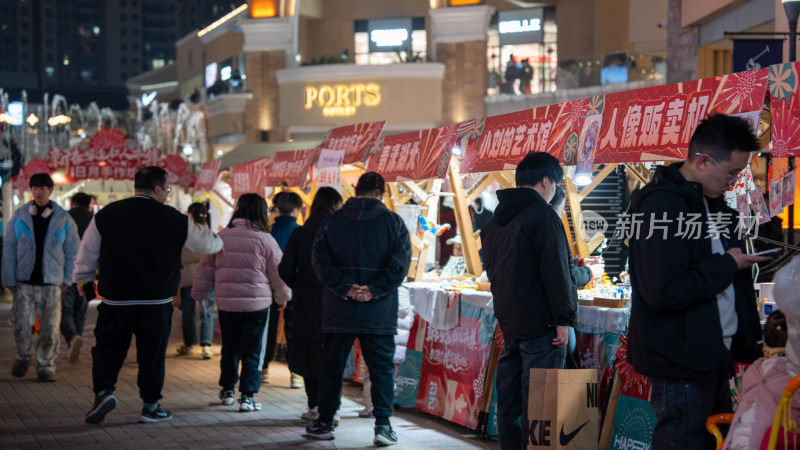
341, 100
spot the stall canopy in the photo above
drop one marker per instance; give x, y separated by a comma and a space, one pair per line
243, 153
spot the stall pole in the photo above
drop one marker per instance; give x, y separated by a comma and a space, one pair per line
463, 220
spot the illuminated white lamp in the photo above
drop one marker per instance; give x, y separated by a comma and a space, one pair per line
188, 149
582, 178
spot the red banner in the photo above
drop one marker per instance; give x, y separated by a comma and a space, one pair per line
248, 177
107, 155
289, 167
357, 140
34, 166
418, 155
655, 124
504, 140
208, 175
177, 168
785, 104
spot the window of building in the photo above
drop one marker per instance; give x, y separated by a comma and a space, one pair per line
157, 63
123, 31
49, 71
390, 41
123, 17
123, 61
123, 46
124, 75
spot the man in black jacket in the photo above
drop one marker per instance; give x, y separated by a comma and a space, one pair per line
693, 304
361, 255
526, 259
136, 243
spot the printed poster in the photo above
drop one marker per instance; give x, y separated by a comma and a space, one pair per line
760, 208
788, 189
776, 197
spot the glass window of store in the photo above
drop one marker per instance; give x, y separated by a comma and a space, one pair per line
390, 41
522, 51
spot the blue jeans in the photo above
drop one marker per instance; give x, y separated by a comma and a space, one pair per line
682, 407
73, 312
512, 378
208, 320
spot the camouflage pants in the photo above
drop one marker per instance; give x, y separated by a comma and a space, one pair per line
30, 300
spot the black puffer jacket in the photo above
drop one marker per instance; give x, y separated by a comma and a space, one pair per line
526, 259
363, 244
675, 330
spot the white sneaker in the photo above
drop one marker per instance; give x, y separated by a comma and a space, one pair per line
207, 352
366, 412
226, 397
336, 417
310, 414
248, 404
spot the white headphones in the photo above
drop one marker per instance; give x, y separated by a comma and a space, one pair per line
45, 214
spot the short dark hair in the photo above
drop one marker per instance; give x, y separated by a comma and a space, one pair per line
535, 166
253, 208
289, 202
720, 134
327, 199
147, 178
558, 197
41, 180
81, 200
370, 184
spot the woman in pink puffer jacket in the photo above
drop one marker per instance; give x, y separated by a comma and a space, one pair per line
244, 276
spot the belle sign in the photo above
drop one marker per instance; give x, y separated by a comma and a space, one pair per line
341, 100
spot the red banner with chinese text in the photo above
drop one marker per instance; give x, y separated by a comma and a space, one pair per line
33, 166
357, 140
504, 140
248, 177
289, 167
208, 175
418, 155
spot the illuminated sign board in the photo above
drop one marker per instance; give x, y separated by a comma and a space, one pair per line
389, 35
520, 26
342, 100
211, 75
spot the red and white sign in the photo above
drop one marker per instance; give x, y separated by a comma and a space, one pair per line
289, 167
208, 175
356, 140
248, 177
418, 155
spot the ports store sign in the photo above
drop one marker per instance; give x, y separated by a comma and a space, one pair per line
334, 95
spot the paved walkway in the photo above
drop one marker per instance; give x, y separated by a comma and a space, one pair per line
51, 415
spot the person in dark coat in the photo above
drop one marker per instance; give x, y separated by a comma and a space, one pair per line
73, 305
693, 309
361, 255
528, 263
298, 273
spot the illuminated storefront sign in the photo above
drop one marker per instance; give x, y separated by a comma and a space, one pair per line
389, 35
521, 26
342, 100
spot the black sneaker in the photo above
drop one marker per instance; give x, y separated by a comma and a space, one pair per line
20, 368
155, 415
384, 435
320, 430
104, 403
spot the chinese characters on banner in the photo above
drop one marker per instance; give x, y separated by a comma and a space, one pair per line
356, 140
650, 124
289, 167
248, 177
418, 155
207, 176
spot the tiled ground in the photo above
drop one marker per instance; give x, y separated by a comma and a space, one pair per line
50, 415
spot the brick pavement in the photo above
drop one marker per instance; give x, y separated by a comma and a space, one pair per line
51, 415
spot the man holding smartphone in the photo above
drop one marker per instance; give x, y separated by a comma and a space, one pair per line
693, 309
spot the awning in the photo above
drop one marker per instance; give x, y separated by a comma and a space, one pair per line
250, 151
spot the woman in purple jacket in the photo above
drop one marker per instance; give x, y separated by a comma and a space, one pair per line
244, 276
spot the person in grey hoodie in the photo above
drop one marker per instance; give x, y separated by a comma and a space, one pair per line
39, 254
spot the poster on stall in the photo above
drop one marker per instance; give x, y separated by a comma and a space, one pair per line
565, 136
290, 168
248, 177
760, 209
588, 144
634, 420
418, 155
745, 216
356, 140
207, 176
776, 197
788, 189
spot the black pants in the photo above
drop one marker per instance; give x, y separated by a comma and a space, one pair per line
272, 332
312, 391
115, 326
378, 351
243, 339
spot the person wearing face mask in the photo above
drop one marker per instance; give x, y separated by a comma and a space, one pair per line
693, 311
526, 259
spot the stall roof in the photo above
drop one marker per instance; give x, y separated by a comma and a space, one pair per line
250, 151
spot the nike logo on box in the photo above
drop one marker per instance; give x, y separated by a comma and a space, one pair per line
564, 439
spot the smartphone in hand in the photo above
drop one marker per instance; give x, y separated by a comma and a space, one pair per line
766, 252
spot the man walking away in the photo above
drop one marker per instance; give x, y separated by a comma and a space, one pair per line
73, 305
39, 253
361, 255
693, 309
136, 243
535, 302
